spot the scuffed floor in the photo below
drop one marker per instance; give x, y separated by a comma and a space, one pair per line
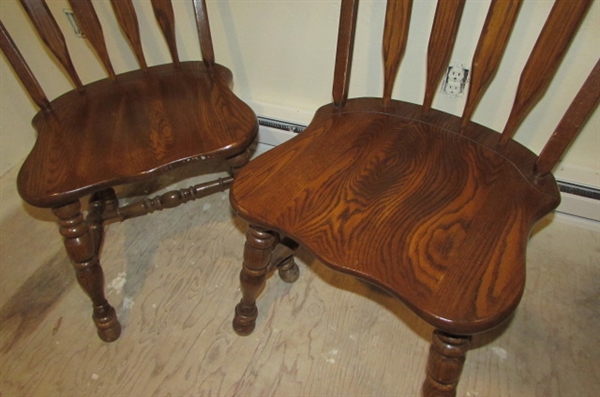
173, 277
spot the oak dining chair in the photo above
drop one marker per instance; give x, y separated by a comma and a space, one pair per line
128, 128
433, 208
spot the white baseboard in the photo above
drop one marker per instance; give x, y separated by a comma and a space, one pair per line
579, 206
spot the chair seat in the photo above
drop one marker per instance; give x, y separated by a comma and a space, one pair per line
144, 124
342, 186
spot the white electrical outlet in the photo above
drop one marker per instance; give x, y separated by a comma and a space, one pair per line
455, 80
453, 88
456, 73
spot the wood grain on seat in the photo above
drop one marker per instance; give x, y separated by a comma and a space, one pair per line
432, 207
132, 130
126, 128
365, 187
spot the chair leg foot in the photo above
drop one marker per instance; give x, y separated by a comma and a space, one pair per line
82, 251
257, 254
446, 359
244, 321
107, 324
288, 270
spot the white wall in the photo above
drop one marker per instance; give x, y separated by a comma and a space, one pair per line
282, 53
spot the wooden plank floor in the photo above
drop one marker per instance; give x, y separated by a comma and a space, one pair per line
173, 277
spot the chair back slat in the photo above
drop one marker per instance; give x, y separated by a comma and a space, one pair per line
206, 46
91, 28
163, 11
49, 32
345, 46
127, 18
443, 35
22, 70
551, 46
395, 35
581, 108
498, 25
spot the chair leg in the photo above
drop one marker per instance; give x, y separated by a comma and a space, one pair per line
257, 255
282, 258
446, 359
82, 251
100, 202
288, 270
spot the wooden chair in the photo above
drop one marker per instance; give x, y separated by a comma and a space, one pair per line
127, 128
432, 208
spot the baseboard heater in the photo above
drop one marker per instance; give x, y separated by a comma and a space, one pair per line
579, 190
565, 187
280, 124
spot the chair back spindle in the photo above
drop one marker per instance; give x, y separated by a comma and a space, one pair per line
50, 33
581, 108
163, 11
428, 205
22, 69
397, 21
91, 28
498, 25
551, 46
443, 35
126, 16
206, 46
345, 47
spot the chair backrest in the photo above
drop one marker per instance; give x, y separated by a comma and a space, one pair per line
551, 46
48, 30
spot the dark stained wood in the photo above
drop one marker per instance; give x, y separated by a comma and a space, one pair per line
238, 161
206, 46
80, 247
441, 43
91, 28
126, 129
49, 32
397, 21
288, 270
499, 23
446, 360
412, 199
343, 59
581, 108
163, 10
263, 252
125, 13
155, 121
382, 170
257, 254
100, 204
22, 69
549, 50
169, 199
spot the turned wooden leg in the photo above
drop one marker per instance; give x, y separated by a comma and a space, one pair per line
288, 270
257, 254
100, 202
446, 359
82, 251
237, 162
283, 258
